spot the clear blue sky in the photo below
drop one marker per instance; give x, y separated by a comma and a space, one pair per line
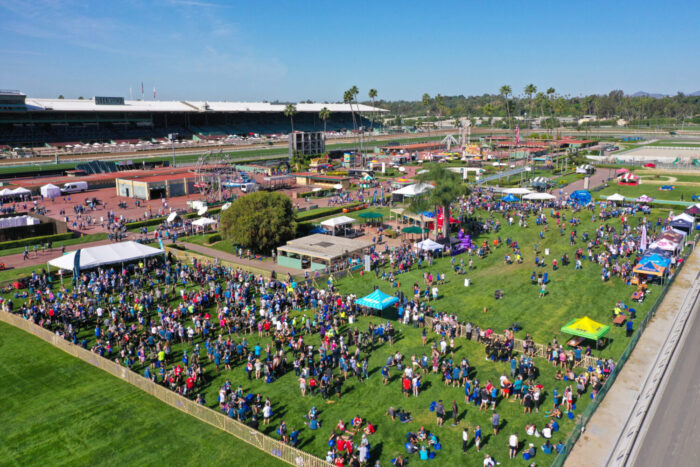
297, 50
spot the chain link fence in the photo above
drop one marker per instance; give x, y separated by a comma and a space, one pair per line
241, 431
593, 406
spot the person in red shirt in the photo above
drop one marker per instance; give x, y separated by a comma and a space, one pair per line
407, 386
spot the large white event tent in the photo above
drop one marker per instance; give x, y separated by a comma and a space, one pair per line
50, 191
538, 196
517, 191
112, 253
414, 190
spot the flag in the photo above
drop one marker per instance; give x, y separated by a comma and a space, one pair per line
643, 241
517, 134
142, 89
154, 93
76, 266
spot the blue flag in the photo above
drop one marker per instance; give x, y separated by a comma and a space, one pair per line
76, 266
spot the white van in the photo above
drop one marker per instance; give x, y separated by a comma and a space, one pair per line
249, 187
74, 187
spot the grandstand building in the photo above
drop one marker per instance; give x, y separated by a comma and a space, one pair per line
33, 122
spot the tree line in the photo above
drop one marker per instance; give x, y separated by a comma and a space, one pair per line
549, 104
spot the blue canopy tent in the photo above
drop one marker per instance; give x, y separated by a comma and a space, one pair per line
377, 300
659, 260
581, 197
509, 199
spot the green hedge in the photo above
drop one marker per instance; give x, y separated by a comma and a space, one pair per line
323, 212
35, 240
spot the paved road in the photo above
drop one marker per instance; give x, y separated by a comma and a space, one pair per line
672, 435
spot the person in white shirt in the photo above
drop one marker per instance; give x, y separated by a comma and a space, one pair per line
465, 439
488, 461
513, 445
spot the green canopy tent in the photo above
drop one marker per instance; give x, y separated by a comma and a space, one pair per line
413, 229
587, 328
370, 216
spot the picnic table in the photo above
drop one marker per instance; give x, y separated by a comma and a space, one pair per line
576, 341
620, 319
638, 296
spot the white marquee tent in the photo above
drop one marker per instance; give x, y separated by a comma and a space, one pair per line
538, 196
50, 191
414, 190
336, 221
517, 191
112, 253
615, 197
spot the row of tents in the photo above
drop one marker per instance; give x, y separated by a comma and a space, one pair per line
18, 192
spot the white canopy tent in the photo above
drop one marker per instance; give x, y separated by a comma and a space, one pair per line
538, 196
50, 191
336, 221
517, 191
203, 222
414, 190
685, 217
615, 197
428, 245
341, 221
112, 253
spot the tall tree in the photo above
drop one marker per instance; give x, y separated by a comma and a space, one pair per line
448, 188
348, 98
260, 221
550, 95
323, 115
426, 100
530, 91
289, 111
372, 96
505, 93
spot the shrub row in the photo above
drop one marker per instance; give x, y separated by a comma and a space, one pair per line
35, 240
323, 212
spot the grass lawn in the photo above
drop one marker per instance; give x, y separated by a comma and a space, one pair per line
66, 412
651, 190
681, 177
571, 294
674, 143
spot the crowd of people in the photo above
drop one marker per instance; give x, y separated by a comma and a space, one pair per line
224, 318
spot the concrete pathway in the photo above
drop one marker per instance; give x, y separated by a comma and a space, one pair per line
595, 445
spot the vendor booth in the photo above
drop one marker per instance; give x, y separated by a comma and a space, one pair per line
585, 328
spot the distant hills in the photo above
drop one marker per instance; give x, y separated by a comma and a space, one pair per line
658, 96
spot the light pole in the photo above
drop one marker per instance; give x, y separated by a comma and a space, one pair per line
171, 137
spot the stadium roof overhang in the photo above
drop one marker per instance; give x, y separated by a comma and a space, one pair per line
90, 105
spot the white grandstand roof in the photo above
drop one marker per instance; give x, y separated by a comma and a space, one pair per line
88, 105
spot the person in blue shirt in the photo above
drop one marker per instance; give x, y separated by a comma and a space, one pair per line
547, 447
294, 437
423, 453
630, 327
477, 438
560, 447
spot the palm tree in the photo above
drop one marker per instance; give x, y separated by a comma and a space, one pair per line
289, 111
448, 187
530, 90
426, 103
506, 91
550, 96
347, 99
323, 115
372, 95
